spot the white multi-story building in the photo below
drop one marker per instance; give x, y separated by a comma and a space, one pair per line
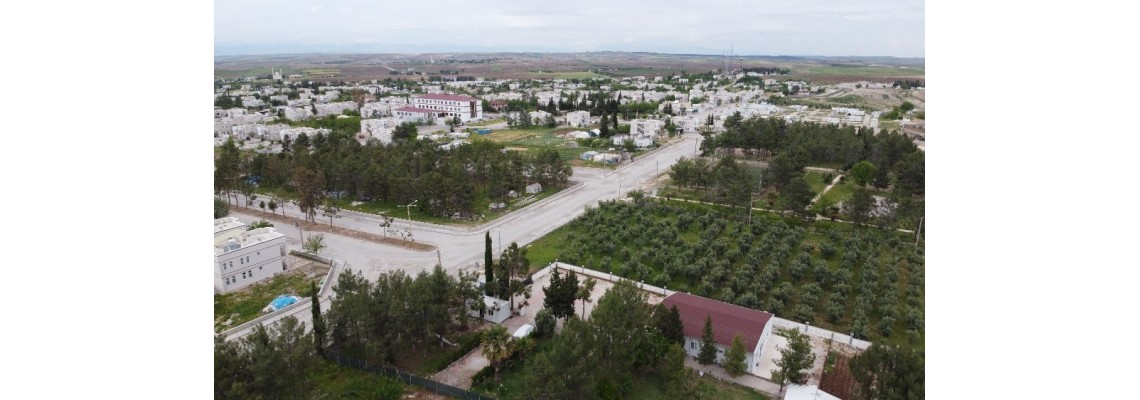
449, 105
646, 127
242, 257
578, 118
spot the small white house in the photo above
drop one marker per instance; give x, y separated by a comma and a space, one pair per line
495, 310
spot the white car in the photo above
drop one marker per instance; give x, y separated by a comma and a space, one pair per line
523, 331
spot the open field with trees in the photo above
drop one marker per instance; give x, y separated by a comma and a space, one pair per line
887, 165
842, 277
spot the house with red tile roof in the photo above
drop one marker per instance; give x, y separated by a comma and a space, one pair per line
728, 320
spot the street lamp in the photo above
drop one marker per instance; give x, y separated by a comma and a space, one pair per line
409, 206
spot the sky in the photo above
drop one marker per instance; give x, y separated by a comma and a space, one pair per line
751, 27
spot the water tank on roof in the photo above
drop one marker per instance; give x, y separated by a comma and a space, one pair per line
232, 245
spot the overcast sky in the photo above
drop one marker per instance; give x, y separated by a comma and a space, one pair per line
753, 27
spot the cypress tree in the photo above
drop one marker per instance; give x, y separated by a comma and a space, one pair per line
318, 322
488, 270
604, 131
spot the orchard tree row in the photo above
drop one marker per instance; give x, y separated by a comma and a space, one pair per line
849, 279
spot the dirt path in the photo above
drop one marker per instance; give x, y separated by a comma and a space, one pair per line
459, 374
833, 183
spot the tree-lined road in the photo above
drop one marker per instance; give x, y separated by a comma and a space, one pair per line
461, 248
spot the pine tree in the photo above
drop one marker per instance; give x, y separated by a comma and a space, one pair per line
734, 359
488, 269
708, 344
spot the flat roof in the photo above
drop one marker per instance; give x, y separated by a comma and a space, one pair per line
450, 97
417, 110
247, 238
226, 223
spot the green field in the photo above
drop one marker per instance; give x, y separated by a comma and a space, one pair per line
535, 139
815, 180
862, 71
568, 75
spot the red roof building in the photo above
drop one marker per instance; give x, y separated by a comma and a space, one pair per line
728, 320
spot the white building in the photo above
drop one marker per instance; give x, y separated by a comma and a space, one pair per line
292, 133
251, 101
578, 119
495, 310
379, 128
335, 108
728, 320
643, 127
242, 257
450, 105
297, 113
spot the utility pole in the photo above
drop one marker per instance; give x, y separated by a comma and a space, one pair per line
918, 231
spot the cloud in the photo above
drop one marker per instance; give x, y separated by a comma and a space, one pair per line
787, 27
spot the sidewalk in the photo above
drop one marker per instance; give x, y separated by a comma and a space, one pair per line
752, 381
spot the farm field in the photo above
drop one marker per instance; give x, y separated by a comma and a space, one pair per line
837, 276
349, 67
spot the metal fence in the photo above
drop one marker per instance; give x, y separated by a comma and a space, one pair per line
427, 384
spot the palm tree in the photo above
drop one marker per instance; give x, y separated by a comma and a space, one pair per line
496, 346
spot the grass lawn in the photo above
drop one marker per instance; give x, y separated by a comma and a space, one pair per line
248, 302
815, 180
543, 251
838, 193
339, 382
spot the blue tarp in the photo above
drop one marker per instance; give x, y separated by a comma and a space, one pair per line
282, 301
